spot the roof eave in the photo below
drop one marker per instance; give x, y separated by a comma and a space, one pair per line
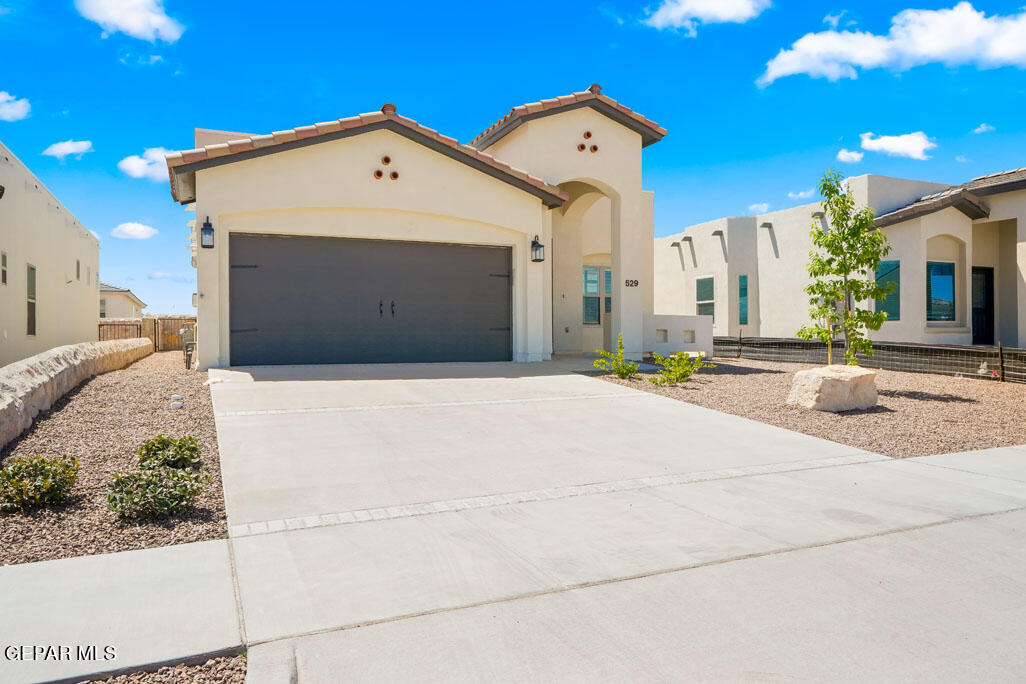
649, 135
183, 176
966, 202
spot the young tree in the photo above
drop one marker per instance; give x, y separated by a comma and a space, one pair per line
843, 271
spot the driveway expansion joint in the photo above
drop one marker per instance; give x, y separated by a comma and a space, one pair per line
551, 494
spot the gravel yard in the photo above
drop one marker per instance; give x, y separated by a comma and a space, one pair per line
229, 670
100, 423
917, 415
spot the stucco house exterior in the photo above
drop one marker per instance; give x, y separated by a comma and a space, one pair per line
958, 258
377, 239
119, 302
49, 265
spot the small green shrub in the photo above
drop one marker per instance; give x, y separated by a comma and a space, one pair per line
35, 481
155, 492
678, 368
168, 452
615, 363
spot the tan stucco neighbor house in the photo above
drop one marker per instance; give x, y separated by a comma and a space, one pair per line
376, 239
49, 266
119, 302
958, 261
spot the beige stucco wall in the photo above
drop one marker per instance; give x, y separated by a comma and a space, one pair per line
120, 305
547, 148
328, 189
36, 229
1011, 206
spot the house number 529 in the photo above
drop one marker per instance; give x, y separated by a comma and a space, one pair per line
630, 283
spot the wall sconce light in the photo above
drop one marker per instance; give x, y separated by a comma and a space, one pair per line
207, 234
537, 250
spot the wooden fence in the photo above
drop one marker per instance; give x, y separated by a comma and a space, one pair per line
164, 331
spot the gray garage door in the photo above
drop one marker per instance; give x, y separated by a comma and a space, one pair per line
336, 300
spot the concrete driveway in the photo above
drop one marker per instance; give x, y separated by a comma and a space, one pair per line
509, 522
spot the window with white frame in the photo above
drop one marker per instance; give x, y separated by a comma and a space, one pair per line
592, 309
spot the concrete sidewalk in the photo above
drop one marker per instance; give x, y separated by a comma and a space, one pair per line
75, 618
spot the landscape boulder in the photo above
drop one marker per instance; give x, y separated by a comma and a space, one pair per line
834, 388
32, 385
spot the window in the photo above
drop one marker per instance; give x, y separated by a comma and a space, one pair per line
30, 326
890, 272
592, 300
103, 308
78, 270
3, 268
704, 297
940, 291
609, 281
742, 300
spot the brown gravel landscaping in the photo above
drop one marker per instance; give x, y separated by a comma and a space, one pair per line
229, 670
101, 423
918, 414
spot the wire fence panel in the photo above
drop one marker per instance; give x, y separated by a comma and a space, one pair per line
988, 363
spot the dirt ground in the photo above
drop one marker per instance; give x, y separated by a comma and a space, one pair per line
101, 423
918, 414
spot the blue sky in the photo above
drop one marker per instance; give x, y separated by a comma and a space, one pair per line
759, 97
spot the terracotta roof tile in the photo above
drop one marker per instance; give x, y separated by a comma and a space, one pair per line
222, 150
495, 131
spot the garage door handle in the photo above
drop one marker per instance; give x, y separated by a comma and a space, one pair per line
381, 309
393, 308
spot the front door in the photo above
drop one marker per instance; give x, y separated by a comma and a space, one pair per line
983, 305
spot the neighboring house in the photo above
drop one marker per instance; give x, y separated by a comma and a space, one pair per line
376, 239
958, 259
119, 302
48, 268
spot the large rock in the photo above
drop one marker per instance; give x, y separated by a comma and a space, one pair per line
834, 388
34, 384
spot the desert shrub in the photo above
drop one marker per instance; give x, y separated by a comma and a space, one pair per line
155, 492
615, 363
678, 368
162, 451
35, 481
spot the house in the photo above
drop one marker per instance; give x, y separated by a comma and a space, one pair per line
958, 261
119, 302
376, 239
48, 267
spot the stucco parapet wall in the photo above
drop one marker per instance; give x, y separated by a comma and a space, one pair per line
32, 385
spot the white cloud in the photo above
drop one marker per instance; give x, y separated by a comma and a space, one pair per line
176, 277
960, 35
911, 145
833, 19
69, 148
850, 156
804, 194
984, 128
13, 109
143, 19
687, 14
133, 231
150, 165
962, 159
760, 208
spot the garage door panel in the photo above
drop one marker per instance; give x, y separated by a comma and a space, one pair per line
338, 300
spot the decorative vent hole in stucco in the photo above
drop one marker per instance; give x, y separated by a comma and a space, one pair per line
594, 148
582, 147
386, 160
662, 335
394, 175
379, 174
587, 134
689, 336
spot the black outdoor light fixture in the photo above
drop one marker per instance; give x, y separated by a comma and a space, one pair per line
207, 234
537, 250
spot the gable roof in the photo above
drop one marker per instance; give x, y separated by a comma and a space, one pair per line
958, 197
106, 287
650, 131
182, 166
966, 198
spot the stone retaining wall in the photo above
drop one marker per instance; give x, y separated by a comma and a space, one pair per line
34, 384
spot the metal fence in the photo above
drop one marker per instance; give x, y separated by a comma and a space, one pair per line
989, 363
164, 331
